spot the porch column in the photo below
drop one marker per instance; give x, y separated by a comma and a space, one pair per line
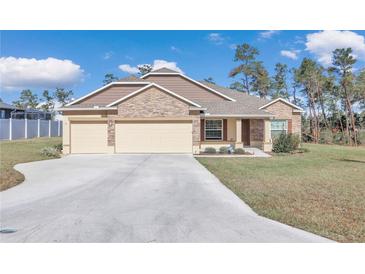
239, 143
267, 136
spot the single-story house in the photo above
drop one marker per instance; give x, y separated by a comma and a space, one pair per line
165, 111
9, 111
5, 110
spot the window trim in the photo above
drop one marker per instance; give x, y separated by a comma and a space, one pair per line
285, 128
205, 130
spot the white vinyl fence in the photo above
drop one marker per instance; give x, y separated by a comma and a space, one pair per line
12, 129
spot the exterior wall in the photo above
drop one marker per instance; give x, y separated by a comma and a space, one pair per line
231, 129
185, 88
153, 103
285, 112
66, 135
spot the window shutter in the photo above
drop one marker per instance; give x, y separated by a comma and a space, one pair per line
290, 126
224, 129
202, 129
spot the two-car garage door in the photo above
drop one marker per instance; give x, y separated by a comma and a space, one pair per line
133, 137
153, 137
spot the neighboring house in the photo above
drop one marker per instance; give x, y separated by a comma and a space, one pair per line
167, 112
9, 111
5, 110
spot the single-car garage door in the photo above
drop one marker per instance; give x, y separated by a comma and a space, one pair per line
89, 137
153, 137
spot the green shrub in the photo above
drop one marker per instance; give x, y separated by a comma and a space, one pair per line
50, 152
239, 151
210, 150
286, 143
326, 137
58, 147
223, 150
303, 149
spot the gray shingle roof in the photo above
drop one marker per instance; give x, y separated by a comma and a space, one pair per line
245, 104
132, 78
7, 106
84, 106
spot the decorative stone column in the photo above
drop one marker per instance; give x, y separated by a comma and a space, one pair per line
239, 143
196, 135
111, 135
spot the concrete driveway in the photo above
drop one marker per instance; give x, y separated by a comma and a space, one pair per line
132, 198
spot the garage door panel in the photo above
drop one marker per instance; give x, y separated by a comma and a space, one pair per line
89, 137
173, 137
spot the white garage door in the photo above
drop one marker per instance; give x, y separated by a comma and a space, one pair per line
89, 137
153, 137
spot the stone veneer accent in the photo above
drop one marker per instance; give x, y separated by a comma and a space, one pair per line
284, 111
111, 132
156, 103
196, 129
153, 103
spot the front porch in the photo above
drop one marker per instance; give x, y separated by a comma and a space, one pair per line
238, 131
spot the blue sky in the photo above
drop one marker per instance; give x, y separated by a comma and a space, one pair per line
200, 54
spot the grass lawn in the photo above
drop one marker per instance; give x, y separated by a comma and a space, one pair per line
321, 191
20, 151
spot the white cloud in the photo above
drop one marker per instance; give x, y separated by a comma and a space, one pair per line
323, 43
157, 64
175, 49
216, 38
128, 57
292, 54
42, 73
268, 34
108, 55
233, 46
128, 68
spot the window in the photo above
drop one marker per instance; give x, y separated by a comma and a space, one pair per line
213, 129
278, 127
2, 114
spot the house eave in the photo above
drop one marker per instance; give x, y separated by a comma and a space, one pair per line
89, 108
210, 115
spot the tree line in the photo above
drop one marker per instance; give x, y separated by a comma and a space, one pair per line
328, 95
30, 100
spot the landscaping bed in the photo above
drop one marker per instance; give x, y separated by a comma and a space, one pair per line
224, 151
23, 151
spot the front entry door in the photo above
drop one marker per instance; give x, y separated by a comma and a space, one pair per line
246, 132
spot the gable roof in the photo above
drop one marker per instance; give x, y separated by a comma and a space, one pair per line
164, 70
284, 101
158, 72
143, 82
157, 86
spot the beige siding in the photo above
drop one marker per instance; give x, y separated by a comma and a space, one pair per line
284, 111
185, 88
110, 94
153, 102
88, 137
154, 137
